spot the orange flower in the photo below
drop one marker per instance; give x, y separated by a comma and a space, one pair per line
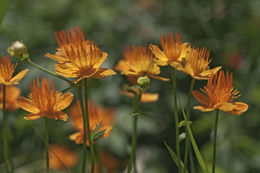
197, 64
12, 94
219, 95
45, 102
61, 157
174, 51
77, 57
6, 72
96, 115
138, 62
146, 97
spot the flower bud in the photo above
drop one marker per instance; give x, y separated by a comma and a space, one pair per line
143, 82
18, 50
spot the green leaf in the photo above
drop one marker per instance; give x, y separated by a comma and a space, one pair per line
3, 9
182, 123
193, 142
99, 134
175, 157
95, 131
137, 87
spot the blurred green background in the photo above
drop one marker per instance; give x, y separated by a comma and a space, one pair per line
229, 28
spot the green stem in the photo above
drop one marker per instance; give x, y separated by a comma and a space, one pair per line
215, 141
47, 144
50, 72
4, 131
84, 149
187, 141
96, 148
136, 108
176, 117
92, 152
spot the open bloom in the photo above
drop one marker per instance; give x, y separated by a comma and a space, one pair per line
61, 157
45, 102
12, 93
219, 94
97, 115
138, 62
197, 64
174, 51
78, 57
6, 72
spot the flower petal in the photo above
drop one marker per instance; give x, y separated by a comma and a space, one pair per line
27, 105
149, 97
235, 108
55, 57
208, 73
186, 50
77, 137
18, 77
66, 70
101, 60
161, 58
176, 65
204, 108
103, 72
59, 115
63, 101
188, 69
32, 116
226, 107
158, 77
203, 99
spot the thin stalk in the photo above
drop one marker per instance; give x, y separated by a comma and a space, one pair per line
92, 152
4, 132
187, 141
215, 141
50, 72
99, 158
136, 108
84, 148
47, 145
176, 117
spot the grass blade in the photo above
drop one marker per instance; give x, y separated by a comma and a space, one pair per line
193, 142
175, 157
3, 9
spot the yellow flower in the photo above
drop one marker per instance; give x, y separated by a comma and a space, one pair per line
174, 51
6, 72
77, 57
45, 102
96, 115
138, 62
61, 157
197, 64
219, 94
12, 93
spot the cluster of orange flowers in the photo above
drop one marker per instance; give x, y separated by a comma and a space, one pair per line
80, 58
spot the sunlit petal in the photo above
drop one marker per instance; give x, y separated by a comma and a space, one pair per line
28, 105
19, 76
203, 99
32, 116
103, 72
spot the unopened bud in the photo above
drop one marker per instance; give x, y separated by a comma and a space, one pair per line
18, 50
143, 82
